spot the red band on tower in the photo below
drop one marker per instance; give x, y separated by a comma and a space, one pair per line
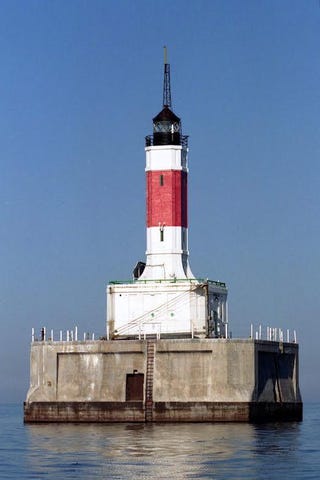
167, 198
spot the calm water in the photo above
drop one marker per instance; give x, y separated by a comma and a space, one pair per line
172, 451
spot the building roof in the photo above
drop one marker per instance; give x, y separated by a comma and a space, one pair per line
166, 115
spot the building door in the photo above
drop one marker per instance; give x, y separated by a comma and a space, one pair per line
134, 387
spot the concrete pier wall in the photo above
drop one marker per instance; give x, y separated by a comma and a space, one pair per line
175, 380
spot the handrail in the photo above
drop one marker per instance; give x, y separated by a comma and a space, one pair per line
183, 141
175, 280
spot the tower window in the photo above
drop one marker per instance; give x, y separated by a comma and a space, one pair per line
161, 180
161, 235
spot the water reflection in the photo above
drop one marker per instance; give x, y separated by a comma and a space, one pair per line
133, 451
281, 438
162, 451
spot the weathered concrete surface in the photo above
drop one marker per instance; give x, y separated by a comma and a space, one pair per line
192, 380
97, 412
84, 412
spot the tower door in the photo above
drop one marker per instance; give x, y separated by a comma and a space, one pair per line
134, 387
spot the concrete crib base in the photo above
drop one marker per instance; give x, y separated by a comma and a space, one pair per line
107, 412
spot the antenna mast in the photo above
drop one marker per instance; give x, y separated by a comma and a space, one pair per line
166, 82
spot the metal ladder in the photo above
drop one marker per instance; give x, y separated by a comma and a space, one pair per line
149, 381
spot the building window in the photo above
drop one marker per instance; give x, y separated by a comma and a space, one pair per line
161, 235
161, 181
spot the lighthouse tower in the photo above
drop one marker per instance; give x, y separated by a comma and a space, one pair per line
167, 194
164, 298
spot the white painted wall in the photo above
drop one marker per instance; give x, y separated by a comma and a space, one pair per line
167, 259
166, 157
163, 307
178, 307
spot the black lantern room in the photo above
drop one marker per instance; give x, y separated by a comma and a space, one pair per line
166, 128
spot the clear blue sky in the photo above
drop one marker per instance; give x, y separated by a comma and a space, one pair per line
80, 82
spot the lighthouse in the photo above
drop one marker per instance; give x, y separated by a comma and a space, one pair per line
167, 194
164, 298
167, 355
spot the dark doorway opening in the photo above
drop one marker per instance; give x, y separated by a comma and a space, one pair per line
134, 387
